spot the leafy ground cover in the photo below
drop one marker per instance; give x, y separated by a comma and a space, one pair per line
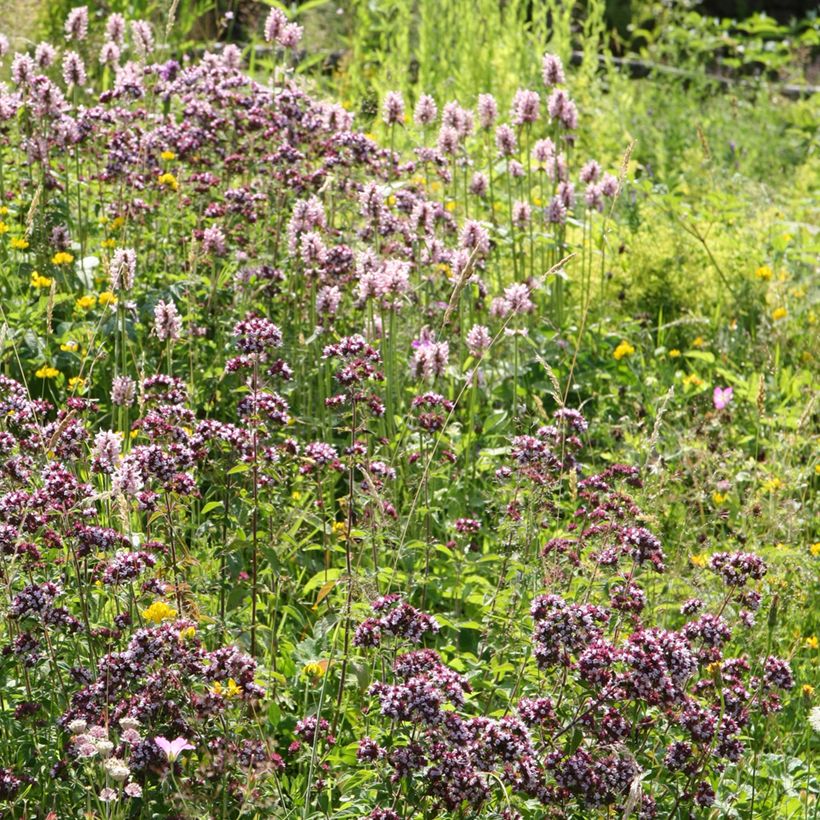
456, 458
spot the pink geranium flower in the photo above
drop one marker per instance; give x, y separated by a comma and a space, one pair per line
721, 397
172, 748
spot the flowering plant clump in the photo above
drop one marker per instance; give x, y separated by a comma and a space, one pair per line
297, 512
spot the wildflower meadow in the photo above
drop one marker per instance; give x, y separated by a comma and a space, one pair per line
408, 412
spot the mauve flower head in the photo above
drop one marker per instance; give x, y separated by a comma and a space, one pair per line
143, 37
213, 241
505, 140
115, 28
552, 70
109, 54
45, 54
521, 213
479, 184
76, 23
291, 35
123, 391
525, 107
448, 140
173, 748
721, 397
590, 172
167, 321
393, 108
543, 151
517, 298
425, 111
487, 110
478, 340
275, 24
73, 69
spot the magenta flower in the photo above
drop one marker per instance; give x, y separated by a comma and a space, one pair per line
173, 748
721, 397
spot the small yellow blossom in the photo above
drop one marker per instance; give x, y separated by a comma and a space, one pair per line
47, 372
699, 560
76, 383
188, 632
807, 690
314, 669
86, 302
159, 611
70, 346
693, 380
771, 485
719, 498
109, 243
3, 227
18, 243
168, 155
450, 205
674, 353
39, 281
3, 210
62, 258
779, 313
169, 181
117, 223
623, 349
107, 298
339, 529
814, 549
699, 342
713, 668
812, 642
391, 200
764, 272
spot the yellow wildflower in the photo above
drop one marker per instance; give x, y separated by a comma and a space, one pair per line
168, 155
623, 349
159, 611
674, 353
814, 549
169, 181
62, 258
18, 243
699, 560
39, 281
764, 272
719, 498
699, 342
391, 200
109, 243
450, 205
807, 690
76, 383
3, 227
779, 313
186, 633
3, 210
47, 372
315, 669
117, 223
69, 347
86, 302
692, 380
812, 642
339, 529
771, 485
107, 298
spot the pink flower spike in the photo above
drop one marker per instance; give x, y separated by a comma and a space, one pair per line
173, 748
721, 397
